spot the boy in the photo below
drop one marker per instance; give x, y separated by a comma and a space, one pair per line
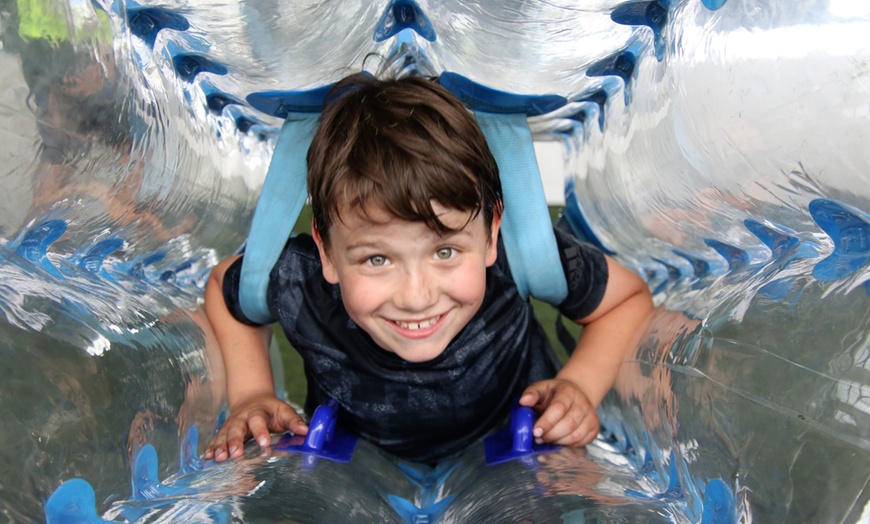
401, 302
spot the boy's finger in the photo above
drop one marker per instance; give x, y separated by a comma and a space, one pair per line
530, 397
293, 422
582, 435
554, 413
237, 430
216, 447
259, 430
537, 395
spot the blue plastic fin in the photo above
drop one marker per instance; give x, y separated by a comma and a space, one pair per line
849, 228
527, 228
188, 65
737, 257
146, 483
621, 64
410, 512
93, 258
188, 459
700, 267
138, 268
281, 201
779, 239
73, 502
515, 441
719, 507
401, 15
713, 5
146, 22
577, 221
324, 438
35, 243
653, 14
486, 99
284, 103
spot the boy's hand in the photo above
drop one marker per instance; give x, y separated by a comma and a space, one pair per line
567, 417
258, 417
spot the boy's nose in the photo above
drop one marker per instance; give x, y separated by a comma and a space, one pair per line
415, 291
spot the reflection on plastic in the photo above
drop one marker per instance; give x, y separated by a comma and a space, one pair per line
717, 148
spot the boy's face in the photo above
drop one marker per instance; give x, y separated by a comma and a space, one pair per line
412, 290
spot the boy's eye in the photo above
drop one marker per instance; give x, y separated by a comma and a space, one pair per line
377, 260
444, 253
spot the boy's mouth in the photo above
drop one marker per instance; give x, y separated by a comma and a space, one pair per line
416, 326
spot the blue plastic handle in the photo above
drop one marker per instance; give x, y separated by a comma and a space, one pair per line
322, 426
522, 425
324, 438
515, 441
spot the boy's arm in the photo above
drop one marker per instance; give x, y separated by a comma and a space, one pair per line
254, 408
568, 402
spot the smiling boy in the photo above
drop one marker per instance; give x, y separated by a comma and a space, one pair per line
402, 303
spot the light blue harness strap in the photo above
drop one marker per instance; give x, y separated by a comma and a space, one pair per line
527, 229
284, 193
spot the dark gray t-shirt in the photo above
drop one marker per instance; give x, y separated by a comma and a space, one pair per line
431, 410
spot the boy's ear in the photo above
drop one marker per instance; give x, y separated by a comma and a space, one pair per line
492, 247
329, 272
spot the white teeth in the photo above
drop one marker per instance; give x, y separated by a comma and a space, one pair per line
414, 326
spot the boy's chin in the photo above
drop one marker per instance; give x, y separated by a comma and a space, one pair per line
419, 355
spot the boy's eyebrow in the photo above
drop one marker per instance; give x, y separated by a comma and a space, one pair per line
364, 245
378, 244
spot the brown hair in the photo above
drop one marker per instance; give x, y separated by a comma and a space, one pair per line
399, 144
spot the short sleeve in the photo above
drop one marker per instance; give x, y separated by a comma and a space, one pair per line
585, 272
232, 277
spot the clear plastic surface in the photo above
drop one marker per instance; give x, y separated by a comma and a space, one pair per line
717, 147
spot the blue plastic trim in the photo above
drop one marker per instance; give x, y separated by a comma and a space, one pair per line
737, 257
849, 228
324, 438
701, 267
779, 239
516, 441
620, 65
486, 99
138, 266
73, 502
651, 14
146, 482
34, 245
719, 505
410, 512
244, 124
400, 15
714, 4
674, 271
95, 256
528, 230
283, 103
598, 97
576, 219
146, 22
281, 201
218, 101
188, 65
188, 458
215, 99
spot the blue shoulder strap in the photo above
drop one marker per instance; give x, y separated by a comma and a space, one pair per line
283, 195
527, 230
